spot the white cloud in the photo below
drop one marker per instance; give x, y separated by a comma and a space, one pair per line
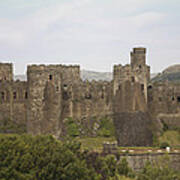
89, 30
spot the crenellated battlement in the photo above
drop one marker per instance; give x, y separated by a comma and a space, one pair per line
59, 67
139, 50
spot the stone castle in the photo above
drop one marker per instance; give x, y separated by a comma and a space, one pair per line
55, 92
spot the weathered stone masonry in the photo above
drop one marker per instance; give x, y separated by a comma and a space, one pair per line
55, 92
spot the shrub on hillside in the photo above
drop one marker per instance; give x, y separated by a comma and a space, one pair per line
41, 157
158, 170
106, 128
72, 128
163, 145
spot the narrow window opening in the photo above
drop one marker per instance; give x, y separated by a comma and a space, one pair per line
26, 95
160, 99
57, 88
119, 87
173, 98
140, 66
14, 95
142, 87
2, 95
178, 99
132, 79
149, 87
50, 77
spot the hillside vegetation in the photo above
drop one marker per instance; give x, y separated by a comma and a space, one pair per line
172, 69
171, 74
172, 77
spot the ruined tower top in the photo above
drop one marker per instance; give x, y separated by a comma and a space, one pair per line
139, 50
138, 57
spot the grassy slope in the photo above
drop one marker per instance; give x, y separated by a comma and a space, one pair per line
96, 143
174, 77
171, 137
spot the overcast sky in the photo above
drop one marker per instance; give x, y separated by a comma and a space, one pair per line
93, 33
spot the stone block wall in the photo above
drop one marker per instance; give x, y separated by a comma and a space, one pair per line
44, 102
129, 97
13, 102
138, 161
133, 129
164, 98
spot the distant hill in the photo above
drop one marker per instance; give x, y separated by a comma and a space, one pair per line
85, 75
153, 75
172, 69
92, 75
171, 73
20, 77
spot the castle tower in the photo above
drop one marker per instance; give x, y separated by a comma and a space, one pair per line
137, 71
44, 107
49, 89
6, 72
130, 115
138, 57
140, 71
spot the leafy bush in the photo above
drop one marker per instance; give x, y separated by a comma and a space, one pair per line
163, 145
42, 157
9, 126
124, 169
72, 128
155, 140
165, 126
45, 158
158, 170
106, 128
28, 157
104, 132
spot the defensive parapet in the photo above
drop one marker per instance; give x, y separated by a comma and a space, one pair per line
138, 57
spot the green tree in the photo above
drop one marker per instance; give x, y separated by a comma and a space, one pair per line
159, 170
124, 169
43, 158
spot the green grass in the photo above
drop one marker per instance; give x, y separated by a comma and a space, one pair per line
94, 143
171, 137
122, 178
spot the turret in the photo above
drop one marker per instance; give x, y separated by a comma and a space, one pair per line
6, 72
138, 58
